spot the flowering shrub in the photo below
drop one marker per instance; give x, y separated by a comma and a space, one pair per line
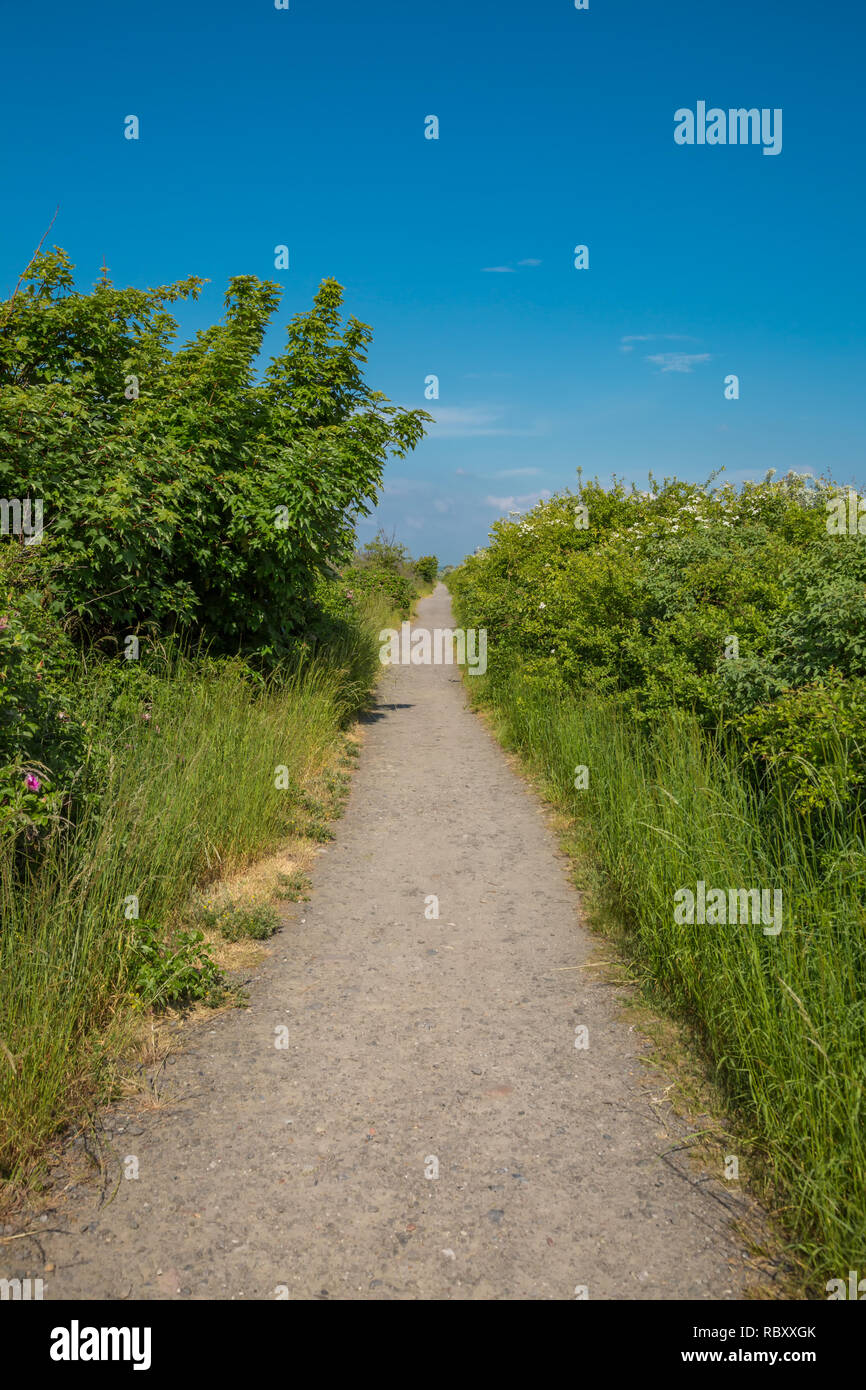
712, 599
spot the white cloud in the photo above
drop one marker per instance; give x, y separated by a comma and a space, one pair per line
529, 499
625, 344
678, 361
508, 269
405, 487
466, 422
516, 473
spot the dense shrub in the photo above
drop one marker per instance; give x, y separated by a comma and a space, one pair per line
178, 488
711, 600
427, 568
383, 570
813, 741
42, 733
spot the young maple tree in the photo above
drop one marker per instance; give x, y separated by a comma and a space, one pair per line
178, 489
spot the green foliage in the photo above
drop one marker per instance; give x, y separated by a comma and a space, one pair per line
823, 625
385, 553
813, 742
208, 510
237, 921
427, 568
383, 571
209, 500
733, 764
163, 972
366, 582
42, 735
642, 602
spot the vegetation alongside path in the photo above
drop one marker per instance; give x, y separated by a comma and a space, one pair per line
186, 631
685, 670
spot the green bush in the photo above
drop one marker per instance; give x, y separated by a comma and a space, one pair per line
42, 733
383, 571
178, 970
813, 743
427, 568
684, 597
823, 623
368, 582
177, 488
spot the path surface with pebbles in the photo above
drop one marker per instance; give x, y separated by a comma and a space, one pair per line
412, 1044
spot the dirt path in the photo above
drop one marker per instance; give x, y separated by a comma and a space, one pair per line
412, 1039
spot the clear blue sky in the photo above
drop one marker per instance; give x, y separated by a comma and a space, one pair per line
306, 127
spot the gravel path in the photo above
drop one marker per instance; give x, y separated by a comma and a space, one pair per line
304, 1169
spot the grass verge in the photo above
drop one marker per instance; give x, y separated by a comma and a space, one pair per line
779, 1020
214, 769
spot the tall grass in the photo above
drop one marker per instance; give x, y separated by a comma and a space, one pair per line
189, 792
781, 1019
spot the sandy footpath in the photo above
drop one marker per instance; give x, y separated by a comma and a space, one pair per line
414, 1046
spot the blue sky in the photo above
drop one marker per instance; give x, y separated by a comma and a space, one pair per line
305, 127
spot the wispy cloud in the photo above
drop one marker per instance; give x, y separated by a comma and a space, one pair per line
472, 422
508, 504
418, 492
625, 344
406, 487
508, 269
499, 473
678, 361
